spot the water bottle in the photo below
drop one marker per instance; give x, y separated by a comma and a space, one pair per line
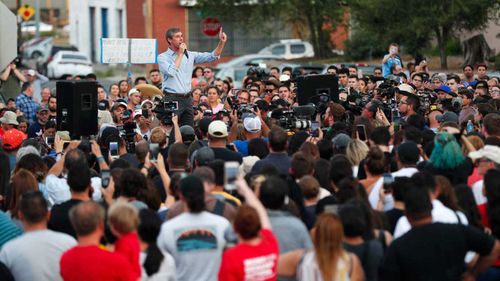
470, 126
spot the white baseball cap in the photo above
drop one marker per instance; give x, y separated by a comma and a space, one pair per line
133, 91
217, 129
491, 152
252, 124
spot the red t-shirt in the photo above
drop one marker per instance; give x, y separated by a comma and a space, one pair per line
483, 212
128, 246
474, 177
247, 262
83, 263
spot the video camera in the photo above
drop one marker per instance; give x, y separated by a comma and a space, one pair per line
299, 118
165, 110
127, 131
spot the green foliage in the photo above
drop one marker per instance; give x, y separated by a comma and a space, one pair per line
413, 23
361, 43
453, 48
311, 19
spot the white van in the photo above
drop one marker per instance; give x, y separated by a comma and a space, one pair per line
290, 49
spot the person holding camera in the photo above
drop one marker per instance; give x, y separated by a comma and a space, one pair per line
391, 59
176, 66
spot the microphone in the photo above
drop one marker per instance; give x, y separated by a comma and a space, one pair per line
186, 53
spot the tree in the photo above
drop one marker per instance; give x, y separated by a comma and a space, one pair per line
415, 22
318, 17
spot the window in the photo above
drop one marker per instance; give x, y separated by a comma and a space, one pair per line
74, 57
297, 48
278, 50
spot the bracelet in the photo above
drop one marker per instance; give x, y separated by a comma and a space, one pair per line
100, 158
62, 153
144, 167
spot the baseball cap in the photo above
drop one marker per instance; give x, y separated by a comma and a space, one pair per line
12, 139
443, 88
217, 129
187, 130
133, 91
447, 117
203, 155
147, 101
252, 124
137, 112
43, 108
439, 76
120, 102
284, 77
31, 72
341, 140
9, 117
406, 88
491, 152
408, 152
204, 123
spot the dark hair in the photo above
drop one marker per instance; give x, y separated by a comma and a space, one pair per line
492, 187
157, 70
325, 148
140, 78
416, 120
33, 207
340, 168
418, 203
148, 230
343, 71
258, 147
467, 204
4, 172
424, 180
413, 134
467, 65
278, 139
322, 173
375, 161
400, 186
23, 181
413, 101
79, 177
131, 183
170, 32
381, 136
273, 192
218, 167
491, 123
247, 222
34, 164
302, 164
446, 193
74, 157
296, 141
353, 220
191, 188
178, 155
367, 212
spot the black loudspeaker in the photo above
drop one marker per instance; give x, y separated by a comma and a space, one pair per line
314, 88
77, 107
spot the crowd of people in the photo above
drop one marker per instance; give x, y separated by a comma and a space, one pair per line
397, 178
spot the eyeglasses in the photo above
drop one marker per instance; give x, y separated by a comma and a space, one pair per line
207, 71
268, 90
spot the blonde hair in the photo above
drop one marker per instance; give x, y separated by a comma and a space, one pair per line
327, 236
123, 217
356, 151
476, 142
158, 136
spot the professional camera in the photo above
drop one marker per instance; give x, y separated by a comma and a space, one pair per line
127, 131
258, 72
165, 110
299, 118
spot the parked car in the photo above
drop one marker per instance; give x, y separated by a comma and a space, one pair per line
37, 48
69, 62
53, 51
30, 27
290, 49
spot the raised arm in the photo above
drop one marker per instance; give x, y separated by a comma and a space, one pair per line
222, 43
253, 201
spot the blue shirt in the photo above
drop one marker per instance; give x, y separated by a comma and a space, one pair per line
386, 67
242, 146
27, 106
179, 80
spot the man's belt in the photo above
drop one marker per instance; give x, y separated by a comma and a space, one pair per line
180, 95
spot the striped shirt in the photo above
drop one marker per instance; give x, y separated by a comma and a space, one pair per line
8, 230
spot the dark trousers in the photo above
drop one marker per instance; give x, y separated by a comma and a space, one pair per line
185, 111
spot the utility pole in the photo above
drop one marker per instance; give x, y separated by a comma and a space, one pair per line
37, 18
19, 34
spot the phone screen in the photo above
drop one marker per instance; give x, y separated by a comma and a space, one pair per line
388, 180
49, 140
145, 113
105, 178
361, 132
113, 149
154, 149
314, 129
230, 174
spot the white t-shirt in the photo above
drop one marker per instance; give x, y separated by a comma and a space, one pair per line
374, 196
166, 272
405, 172
440, 213
35, 255
196, 242
58, 189
477, 190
